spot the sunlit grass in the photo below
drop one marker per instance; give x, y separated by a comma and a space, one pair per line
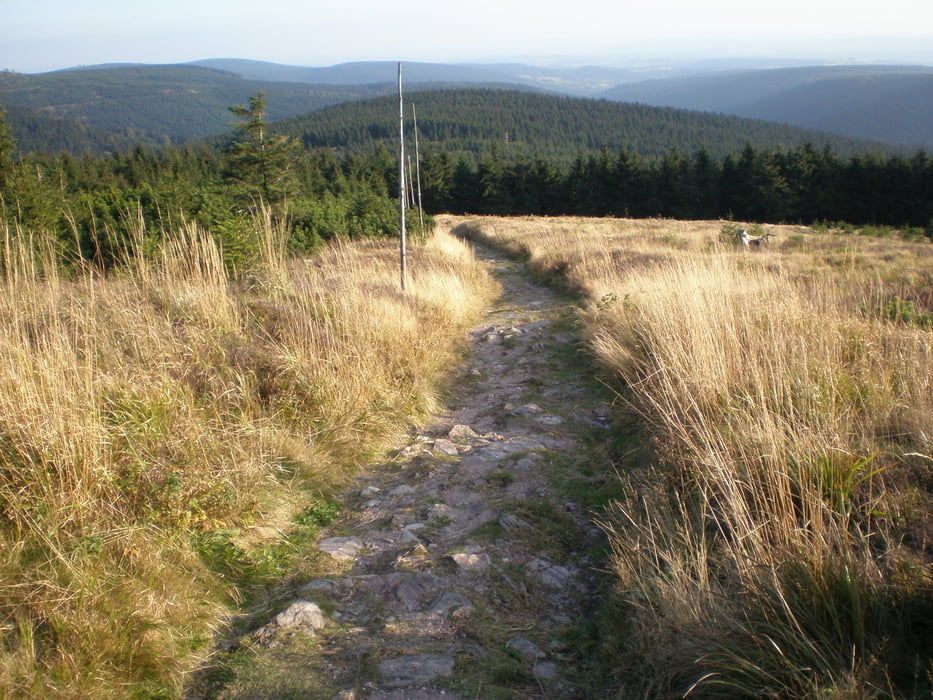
160, 427
778, 544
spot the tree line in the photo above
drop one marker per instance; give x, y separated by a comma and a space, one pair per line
95, 206
802, 185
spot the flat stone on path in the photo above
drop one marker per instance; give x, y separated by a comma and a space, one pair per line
462, 432
550, 574
502, 450
409, 593
452, 604
341, 548
413, 670
549, 419
529, 409
446, 447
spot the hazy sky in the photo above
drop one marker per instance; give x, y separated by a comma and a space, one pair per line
41, 35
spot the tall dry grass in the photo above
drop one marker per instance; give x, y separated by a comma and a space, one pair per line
154, 420
779, 545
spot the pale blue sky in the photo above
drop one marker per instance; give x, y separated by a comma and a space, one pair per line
41, 35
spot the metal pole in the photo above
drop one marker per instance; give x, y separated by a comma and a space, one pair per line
414, 117
401, 180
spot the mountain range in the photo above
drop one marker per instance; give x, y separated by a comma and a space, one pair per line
882, 102
173, 104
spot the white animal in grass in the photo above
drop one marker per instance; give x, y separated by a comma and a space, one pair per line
757, 241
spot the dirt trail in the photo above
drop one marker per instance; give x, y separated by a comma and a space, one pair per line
465, 565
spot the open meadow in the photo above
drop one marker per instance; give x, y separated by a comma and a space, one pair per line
171, 433
776, 540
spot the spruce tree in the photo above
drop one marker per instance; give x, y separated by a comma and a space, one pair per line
264, 167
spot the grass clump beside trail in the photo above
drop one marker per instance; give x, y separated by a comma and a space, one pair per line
778, 542
162, 428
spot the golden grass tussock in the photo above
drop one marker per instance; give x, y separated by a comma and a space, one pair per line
154, 420
779, 544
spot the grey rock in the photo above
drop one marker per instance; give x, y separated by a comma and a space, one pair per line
406, 536
501, 450
347, 695
472, 562
452, 604
528, 650
412, 670
549, 419
479, 514
302, 615
462, 432
341, 548
550, 574
442, 510
409, 594
510, 522
446, 447
403, 490
410, 452
414, 694
529, 409
477, 465
545, 670
319, 585
402, 519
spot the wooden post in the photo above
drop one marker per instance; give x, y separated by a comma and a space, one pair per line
401, 181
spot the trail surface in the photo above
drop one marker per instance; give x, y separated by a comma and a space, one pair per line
465, 564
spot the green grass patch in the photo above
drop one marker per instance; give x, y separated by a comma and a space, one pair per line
500, 478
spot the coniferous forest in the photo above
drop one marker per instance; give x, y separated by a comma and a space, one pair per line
331, 180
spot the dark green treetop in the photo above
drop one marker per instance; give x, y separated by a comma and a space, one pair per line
263, 167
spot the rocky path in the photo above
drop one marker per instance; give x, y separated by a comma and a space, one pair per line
465, 565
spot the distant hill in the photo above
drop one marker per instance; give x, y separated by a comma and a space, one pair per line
102, 108
35, 130
174, 103
580, 81
888, 103
528, 125
99, 108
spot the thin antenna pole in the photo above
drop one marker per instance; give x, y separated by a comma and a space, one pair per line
401, 181
414, 117
411, 185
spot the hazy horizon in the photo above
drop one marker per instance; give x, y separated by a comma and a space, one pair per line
47, 35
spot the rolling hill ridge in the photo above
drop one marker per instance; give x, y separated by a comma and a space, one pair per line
526, 125
104, 108
888, 103
154, 104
